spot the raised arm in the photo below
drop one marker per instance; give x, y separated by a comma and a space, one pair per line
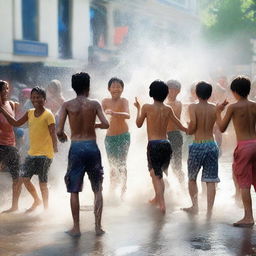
104, 124
62, 137
176, 121
223, 123
141, 113
12, 120
192, 123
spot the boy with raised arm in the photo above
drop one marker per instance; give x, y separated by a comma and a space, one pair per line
203, 153
174, 134
84, 155
9, 155
117, 140
243, 115
159, 149
43, 144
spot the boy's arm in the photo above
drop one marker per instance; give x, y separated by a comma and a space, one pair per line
12, 120
141, 115
192, 124
176, 121
125, 114
104, 124
62, 137
223, 123
51, 128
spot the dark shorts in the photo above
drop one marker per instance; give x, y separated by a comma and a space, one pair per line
84, 156
117, 149
36, 165
159, 155
9, 156
203, 155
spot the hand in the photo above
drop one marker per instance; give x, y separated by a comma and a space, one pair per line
62, 137
109, 112
136, 103
221, 107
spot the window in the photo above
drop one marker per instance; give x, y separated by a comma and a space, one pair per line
30, 20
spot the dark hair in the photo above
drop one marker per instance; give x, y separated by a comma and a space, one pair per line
81, 82
173, 84
2, 84
241, 85
158, 90
203, 90
115, 80
40, 91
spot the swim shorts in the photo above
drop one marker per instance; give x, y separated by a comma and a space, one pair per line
36, 165
244, 164
84, 156
159, 155
117, 147
9, 156
203, 154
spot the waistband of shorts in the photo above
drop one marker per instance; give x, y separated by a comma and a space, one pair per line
203, 141
118, 135
86, 142
38, 157
244, 142
158, 141
174, 132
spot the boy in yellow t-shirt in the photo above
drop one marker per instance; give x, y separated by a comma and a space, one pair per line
43, 144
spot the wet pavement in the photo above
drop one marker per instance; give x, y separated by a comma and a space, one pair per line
133, 227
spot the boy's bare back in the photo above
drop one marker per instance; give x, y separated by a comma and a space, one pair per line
243, 114
81, 113
203, 117
117, 124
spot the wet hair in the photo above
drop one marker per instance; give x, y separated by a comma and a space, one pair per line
158, 90
56, 85
173, 84
39, 91
241, 85
81, 82
203, 90
2, 84
115, 80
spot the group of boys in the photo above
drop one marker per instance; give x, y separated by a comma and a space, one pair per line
162, 121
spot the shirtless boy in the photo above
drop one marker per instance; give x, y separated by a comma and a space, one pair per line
43, 144
159, 148
174, 134
204, 151
9, 155
243, 115
84, 155
117, 140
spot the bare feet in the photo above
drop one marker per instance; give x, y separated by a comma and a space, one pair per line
99, 231
12, 209
73, 233
244, 223
153, 201
191, 210
34, 206
162, 209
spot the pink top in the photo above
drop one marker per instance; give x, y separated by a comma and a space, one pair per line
7, 137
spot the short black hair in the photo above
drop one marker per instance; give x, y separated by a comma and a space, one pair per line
241, 85
203, 90
40, 91
115, 80
2, 84
158, 90
173, 84
81, 82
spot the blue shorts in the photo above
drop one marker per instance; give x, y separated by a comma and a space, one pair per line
203, 155
159, 156
84, 156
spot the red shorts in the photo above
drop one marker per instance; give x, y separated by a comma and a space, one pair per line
244, 165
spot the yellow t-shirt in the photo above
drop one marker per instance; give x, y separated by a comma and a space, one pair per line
39, 135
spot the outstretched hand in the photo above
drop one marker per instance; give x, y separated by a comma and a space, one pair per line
221, 107
136, 103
